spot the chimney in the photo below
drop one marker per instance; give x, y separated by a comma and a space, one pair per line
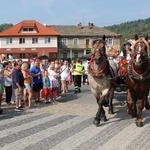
80, 25
90, 25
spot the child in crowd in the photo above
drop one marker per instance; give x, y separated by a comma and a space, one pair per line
46, 87
54, 84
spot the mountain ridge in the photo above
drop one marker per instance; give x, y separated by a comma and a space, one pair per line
128, 29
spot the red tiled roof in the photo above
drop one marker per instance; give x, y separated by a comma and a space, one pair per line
40, 28
28, 24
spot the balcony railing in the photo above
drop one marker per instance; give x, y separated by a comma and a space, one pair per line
75, 46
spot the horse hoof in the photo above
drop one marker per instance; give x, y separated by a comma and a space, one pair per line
96, 122
129, 112
147, 107
134, 115
106, 103
1, 111
104, 119
139, 124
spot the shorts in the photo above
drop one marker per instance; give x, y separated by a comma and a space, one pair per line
46, 91
53, 92
64, 78
27, 86
37, 87
18, 94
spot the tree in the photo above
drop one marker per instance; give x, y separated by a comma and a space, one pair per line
5, 26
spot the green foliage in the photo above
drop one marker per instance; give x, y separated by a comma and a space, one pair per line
5, 26
140, 27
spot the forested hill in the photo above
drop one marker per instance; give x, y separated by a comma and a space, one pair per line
129, 29
5, 26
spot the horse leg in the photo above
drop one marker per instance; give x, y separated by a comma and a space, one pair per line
103, 116
147, 105
110, 99
139, 122
98, 114
134, 109
131, 104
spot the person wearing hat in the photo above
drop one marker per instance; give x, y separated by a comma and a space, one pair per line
78, 69
126, 53
122, 62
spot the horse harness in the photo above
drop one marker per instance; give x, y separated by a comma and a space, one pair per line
99, 51
102, 72
141, 77
131, 71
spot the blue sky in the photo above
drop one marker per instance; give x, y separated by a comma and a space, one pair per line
72, 12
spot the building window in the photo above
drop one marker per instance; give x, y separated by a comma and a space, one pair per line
64, 42
34, 40
110, 41
27, 29
34, 55
75, 41
64, 55
21, 40
8, 40
75, 55
22, 55
87, 43
8, 55
47, 40
53, 56
31, 29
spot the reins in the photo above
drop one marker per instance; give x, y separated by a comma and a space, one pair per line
101, 72
131, 69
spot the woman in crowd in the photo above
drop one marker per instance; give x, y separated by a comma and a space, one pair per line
64, 70
27, 84
7, 82
71, 70
10, 68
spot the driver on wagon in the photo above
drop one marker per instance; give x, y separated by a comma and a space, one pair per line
122, 62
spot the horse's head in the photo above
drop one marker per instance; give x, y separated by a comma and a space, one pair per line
99, 50
140, 51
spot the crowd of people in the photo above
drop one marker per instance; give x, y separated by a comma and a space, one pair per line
25, 84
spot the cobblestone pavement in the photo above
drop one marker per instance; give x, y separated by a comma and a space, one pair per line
68, 125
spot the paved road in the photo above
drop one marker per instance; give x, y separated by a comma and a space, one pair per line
68, 126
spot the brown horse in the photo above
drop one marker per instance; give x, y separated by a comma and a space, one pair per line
138, 79
99, 80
